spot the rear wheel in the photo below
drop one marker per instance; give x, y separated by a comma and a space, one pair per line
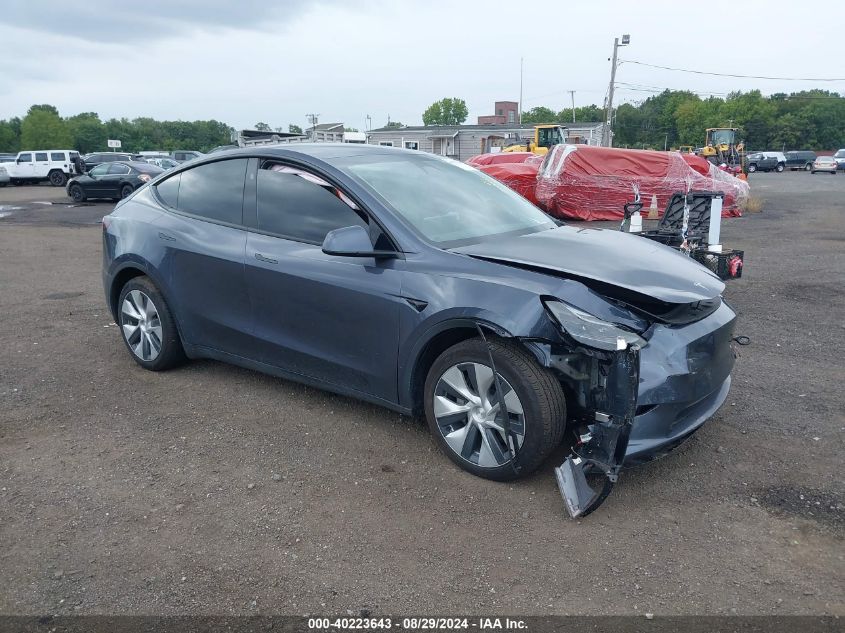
779, 168
462, 408
148, 328
808, 167
126, 191
57, 178
752, 168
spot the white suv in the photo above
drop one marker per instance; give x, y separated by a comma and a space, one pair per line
55, 165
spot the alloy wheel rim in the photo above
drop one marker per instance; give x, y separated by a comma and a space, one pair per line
141, 325
467, 411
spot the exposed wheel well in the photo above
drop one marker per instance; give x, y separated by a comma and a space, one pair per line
120, 280
436, 346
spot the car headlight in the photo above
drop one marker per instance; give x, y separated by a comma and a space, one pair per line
592, 331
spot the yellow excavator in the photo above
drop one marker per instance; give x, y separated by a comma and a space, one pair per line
544, 137
721, 146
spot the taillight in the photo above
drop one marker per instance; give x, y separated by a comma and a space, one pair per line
144, 178
106, 223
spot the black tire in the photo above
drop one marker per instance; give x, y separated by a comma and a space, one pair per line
779, 168
808, 167
126, 191
77, 193
541, 396
171, 353
57, 178
752, 168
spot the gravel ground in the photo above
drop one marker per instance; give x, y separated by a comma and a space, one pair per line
216, 490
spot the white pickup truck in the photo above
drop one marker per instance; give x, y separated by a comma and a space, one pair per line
55, 165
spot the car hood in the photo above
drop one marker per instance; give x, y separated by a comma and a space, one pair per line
610, 257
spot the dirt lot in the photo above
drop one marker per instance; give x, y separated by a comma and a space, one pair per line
212, 489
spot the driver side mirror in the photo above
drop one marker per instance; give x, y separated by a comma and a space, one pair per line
352, 241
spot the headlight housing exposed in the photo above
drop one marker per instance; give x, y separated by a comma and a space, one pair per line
590, 330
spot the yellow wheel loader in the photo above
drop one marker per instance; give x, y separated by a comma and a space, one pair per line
544, 137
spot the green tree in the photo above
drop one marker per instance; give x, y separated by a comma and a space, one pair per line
539, 115
447, 111
10, 136
263, 127
42, 128
350, 129
87, 132
394, 124
294, 129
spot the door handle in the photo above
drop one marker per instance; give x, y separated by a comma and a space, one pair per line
166, 237
266, 260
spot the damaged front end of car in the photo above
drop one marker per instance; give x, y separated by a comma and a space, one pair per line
605, 360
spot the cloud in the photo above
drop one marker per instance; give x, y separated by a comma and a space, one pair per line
150, 20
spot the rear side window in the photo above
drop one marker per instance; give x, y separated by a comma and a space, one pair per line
214, 191
299, 208
59, 156
169, 190
41, 157
119, 169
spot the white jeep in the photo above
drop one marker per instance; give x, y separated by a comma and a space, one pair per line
55, 165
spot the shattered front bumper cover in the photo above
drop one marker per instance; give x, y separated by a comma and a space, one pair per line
655, 399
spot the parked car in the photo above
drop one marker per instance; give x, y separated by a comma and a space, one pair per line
112, 180
826, 164
55, 165
839, 157
800, 160
762, 162
423, 285
97, 158
183, 155
163, 162
4, 176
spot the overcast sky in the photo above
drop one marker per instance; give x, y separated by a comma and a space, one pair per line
244, 61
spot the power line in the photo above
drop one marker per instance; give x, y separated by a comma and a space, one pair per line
701, 72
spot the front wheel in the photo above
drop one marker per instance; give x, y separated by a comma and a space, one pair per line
462, 408
752, 168
77, 194
148, 327
779, 168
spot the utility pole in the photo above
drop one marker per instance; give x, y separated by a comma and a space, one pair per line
608, 131
312, 119
572, 93
369, 123
666, 141
520, 90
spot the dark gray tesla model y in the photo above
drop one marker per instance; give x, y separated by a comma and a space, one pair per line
423, 285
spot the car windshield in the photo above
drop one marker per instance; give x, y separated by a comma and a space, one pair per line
448, 202
839, 154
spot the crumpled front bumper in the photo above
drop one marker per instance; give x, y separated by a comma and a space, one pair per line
685, 376
655, 397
